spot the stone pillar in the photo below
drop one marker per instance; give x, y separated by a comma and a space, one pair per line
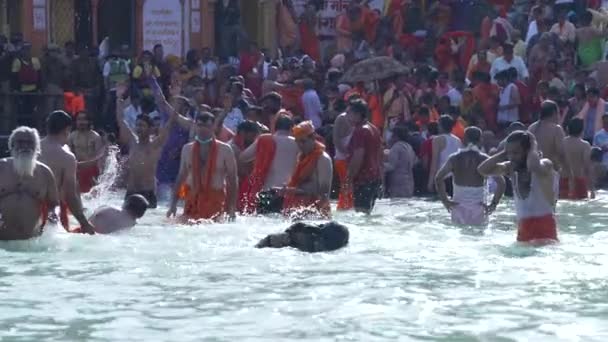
139, 26
207, 37
95, 22
267, 25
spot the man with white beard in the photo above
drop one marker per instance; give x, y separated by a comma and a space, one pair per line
55, 153
27, 188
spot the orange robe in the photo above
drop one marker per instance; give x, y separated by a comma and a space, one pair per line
375, 106
310, 42
264, 155
487, 96
202, 200
345, 198
287, 27
292, 204
537, 230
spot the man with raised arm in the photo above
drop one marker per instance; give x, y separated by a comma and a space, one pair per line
532, 178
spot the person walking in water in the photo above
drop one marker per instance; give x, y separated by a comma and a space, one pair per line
577, 174
28, 190
467, 205
443, 146
532, 178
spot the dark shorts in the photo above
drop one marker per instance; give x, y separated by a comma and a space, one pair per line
365, 195
149, 195
269, 202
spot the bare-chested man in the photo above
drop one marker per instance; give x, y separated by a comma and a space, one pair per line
144, 151
57, 156
550, 137
467, 205
443, 146
207, 178
110, 220
270, 84
274, 157
532, 178
87, 145
27, 188
342, 132
307, 192
577, 173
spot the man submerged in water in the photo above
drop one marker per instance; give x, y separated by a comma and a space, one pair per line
27, 188
532, 178
467, 205
326, 237
108, 220
577, 174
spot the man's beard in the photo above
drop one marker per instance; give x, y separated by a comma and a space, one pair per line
24, 162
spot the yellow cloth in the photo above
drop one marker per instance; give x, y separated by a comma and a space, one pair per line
16, 67
138, 71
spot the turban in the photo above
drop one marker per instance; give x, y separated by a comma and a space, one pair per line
303, 130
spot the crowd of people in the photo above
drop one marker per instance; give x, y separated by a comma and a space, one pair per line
250, 133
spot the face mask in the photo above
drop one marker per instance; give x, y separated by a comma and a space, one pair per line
202, 141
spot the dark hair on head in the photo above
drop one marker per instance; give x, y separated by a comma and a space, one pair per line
334, 76
359, 106
597, 155
238, 86
433, 128
205, 117
145, 118
446, 123
147, 104
586, 18
575, 127
581, 88
57, 122
401, 132
516, 126
136, 205
502, 75
353, 96
512, 73
334, 235
157, 46
283, 123
412, 127
548, 109
274, 97
593, 92
521, 137
472, 135
340, 105
248, 126
424, 111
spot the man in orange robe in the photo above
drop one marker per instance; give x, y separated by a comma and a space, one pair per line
307, 193
207, 176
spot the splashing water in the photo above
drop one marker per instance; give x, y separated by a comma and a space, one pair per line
100, 193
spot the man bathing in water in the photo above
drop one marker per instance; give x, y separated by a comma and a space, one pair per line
532, 178
577, 174
549, 134
110, 220
144, 151
87, 145
308, 238
55, 154
274, 160
209, 175
27, 188
310, 184
467, 205
342, 132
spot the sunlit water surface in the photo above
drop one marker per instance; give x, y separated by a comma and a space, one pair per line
408, 274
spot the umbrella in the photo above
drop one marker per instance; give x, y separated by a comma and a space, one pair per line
374, 69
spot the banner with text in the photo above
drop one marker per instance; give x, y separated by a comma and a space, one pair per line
162, 24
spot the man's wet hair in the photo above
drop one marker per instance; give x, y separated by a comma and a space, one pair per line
284, 123
359, 106
433, 128
516, 126
136, 205
472, 135
446, 123
332, 234
597, 155
576, 126
274, 97
522, 138
57, 122
593, 91
248, 126
204, 117
401, 132
548, 109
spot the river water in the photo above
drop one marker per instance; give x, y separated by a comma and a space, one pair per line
407, 275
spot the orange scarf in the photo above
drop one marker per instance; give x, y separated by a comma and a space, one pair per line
202, 200
304, 169
264, 155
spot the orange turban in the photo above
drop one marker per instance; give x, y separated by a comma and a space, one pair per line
303, 130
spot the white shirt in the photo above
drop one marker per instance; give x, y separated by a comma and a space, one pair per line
312, 107
532, 30
233, 119
209, 70
501, 64
455, 97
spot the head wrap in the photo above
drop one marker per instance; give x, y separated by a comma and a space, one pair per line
303, 130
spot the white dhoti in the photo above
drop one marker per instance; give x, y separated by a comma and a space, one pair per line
470, 209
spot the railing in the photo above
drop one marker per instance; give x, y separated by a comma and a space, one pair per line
26, 108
